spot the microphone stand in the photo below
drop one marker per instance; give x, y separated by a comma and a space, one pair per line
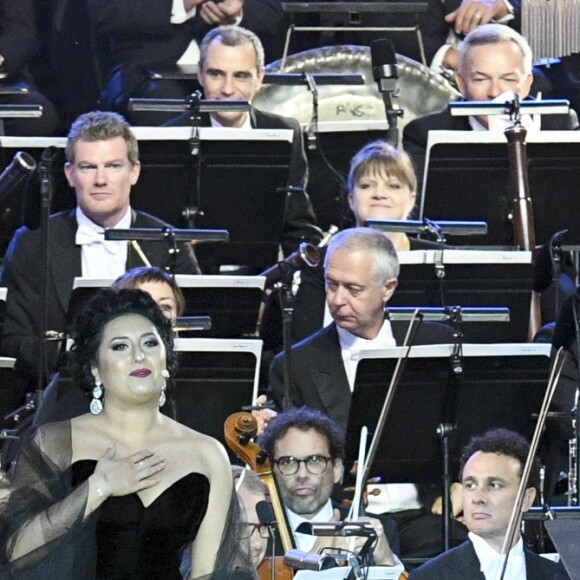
287, 305
313, 126
46, 192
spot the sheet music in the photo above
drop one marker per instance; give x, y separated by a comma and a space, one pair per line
468, 350
450, 256
185, 281
252, 346
164, 134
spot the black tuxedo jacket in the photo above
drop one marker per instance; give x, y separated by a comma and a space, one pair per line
21, 277
462, 562
300, 222
139, 36
317, 375
415, 134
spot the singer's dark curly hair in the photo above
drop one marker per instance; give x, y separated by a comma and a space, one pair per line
303, 419
107, 305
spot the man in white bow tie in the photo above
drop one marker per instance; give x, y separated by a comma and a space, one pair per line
102, 166
490, 471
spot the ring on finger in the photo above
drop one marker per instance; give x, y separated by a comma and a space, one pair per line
478, 15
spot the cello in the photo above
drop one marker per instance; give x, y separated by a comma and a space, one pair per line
239, 430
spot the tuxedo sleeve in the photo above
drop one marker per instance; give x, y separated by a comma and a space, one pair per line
20, 277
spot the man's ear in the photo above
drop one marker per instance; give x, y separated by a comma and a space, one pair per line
529, 497
460, 82
338, 468
389, 289
68, 169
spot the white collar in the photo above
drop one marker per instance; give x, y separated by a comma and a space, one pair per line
354, 344
306, 541
247, 124
491, 561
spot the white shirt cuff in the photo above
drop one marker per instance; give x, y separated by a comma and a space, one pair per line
437, 62
509, 16
178, 13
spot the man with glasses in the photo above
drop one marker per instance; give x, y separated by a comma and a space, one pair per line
102, 166
306, 449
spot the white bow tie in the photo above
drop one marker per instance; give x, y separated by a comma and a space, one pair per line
87, 235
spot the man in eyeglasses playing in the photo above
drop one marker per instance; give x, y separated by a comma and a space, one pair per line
306, 450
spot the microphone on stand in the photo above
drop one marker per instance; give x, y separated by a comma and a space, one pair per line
385, 74
39, 184
266, 516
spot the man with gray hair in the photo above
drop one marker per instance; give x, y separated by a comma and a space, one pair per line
360, 271
495, 62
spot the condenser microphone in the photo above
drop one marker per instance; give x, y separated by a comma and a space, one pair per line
384, 64
265, 513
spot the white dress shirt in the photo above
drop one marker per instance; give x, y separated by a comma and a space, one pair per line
101, 258
491, 562
305, 542
351, 347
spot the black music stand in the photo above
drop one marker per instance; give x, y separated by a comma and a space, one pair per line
215, 378
503, 386
467, 177
507, 282
232, 302
235, 174
436, 409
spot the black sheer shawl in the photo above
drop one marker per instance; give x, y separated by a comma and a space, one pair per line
61, 542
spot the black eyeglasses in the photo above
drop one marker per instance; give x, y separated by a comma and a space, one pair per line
315, 464
249, 529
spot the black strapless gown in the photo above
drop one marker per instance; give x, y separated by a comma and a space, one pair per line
137, 542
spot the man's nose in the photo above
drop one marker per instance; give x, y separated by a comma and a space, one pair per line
100, 175
228, 85
495, 88
338, 296
479, 497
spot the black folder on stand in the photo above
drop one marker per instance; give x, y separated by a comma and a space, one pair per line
503, 386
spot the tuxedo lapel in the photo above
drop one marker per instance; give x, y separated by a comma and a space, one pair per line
65, 265
329, 378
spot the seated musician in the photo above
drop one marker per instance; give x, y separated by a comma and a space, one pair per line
306, 450
495, 62
381, 184
252, 491
490, 470
231, 67
102, 166
361, 270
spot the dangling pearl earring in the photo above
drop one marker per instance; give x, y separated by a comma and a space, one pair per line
96, 406
162, 397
